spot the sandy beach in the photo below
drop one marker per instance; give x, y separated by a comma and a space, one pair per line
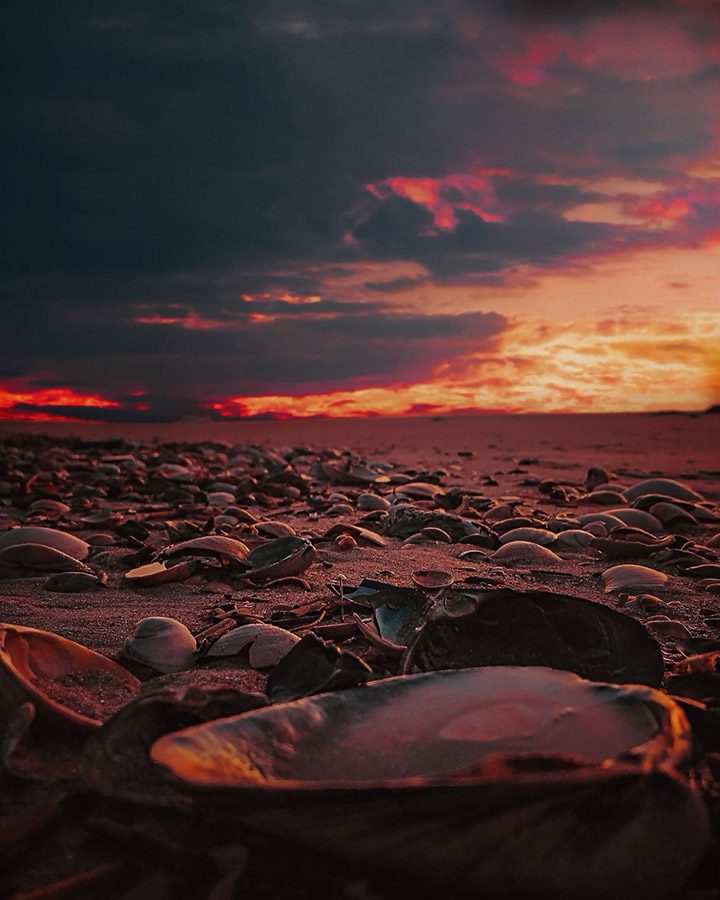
160, 485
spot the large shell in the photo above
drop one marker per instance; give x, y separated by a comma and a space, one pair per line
164, 644
69, 684
484, 778
534, 628
633, 579
215, 545
48, 537
531, 535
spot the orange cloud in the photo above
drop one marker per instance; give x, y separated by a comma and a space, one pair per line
60, 397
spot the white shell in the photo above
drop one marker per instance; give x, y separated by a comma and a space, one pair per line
268, 644
532, 535
525, 552
631, 579
164, 644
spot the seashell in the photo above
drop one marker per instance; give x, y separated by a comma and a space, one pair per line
665, 486
707, 570
345, 541
436, 534
475, 556
274, 529
404, 520
505, 525
573, 539
267, 644
161, 643
598, 529
669, 627
368, 502
501, 627
115, 760
284, 556
488, 785
68, 684
363, 536
532, 535
216, 545
631, 579
595, 478
432, 579
638, 518
603, 498
629, 543
41, 558
671, 514
645, 604
525, 552
73, 582
49, 506
340, 509
48, 537
159, 573
220, 499
607, 519
418, 490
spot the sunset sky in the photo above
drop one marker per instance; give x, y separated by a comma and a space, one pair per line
235, 208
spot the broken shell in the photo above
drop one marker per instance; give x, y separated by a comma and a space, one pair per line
482, 778
159, 573
268, 644
48, 537
669, 627
361, 535
216, 545
525, 552
284, 556
432, 579
69, 684
631, 579
161, 643
41, 558
466, 628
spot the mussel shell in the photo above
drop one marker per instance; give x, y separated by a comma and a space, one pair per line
30, 655
496, 780
534, 628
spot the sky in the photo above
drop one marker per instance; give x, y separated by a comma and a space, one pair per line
235, 208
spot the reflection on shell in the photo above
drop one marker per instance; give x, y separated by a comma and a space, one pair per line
164, 644
41, 558
159, 573
215, 545
531, 535
525, 552
632, 579
268, 644
48, 670
665, 486
498, 767
48, 537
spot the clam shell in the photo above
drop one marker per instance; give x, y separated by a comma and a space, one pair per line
35, 665
502, 627
573, 539
41, 558
671, 514
526, 552
665, 486
465, 777
638, 518
268, 644
159, 573
209, 545
531, 535
632, 579
432, 579
162, 643
284, 556
48, 537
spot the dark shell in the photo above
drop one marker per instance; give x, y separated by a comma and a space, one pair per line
535, 628
403, 520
